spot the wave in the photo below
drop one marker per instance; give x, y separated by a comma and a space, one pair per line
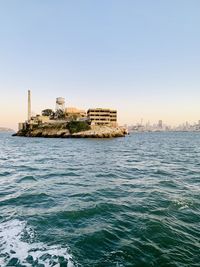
18, 247
28, 178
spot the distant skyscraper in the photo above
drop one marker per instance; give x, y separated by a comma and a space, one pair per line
160, 124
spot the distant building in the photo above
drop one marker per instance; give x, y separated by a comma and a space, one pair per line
21, 126
41, 119
74, 112
160, 124
102, 116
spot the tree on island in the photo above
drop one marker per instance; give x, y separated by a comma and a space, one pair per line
47, 112
78, 126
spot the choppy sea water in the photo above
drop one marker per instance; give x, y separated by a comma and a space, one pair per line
132, 201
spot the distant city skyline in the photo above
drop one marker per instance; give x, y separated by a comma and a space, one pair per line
162, 127
139, 57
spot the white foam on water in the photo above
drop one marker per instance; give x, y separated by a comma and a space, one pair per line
182, 204
12, 243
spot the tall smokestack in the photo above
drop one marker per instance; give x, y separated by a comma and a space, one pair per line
29, 105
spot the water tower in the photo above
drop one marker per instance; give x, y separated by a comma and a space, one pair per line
60, 104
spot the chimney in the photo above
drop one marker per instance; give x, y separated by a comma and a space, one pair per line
29, 105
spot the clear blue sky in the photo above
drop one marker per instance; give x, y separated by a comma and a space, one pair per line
141, 57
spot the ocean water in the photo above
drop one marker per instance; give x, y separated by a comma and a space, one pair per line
132, 201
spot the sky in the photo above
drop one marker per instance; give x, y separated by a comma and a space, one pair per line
141, 57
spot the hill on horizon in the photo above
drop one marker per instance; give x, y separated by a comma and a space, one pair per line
5, 129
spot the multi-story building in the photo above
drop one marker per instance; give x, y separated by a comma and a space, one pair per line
102, 116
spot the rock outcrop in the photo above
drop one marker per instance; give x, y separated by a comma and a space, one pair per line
62, 132
102, 132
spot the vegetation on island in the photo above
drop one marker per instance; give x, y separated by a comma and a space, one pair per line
59, 114
78, 126
47, 112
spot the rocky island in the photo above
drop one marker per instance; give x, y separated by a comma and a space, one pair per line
74, 129
71, 122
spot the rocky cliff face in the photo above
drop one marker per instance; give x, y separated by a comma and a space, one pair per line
94, 132
102, 132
